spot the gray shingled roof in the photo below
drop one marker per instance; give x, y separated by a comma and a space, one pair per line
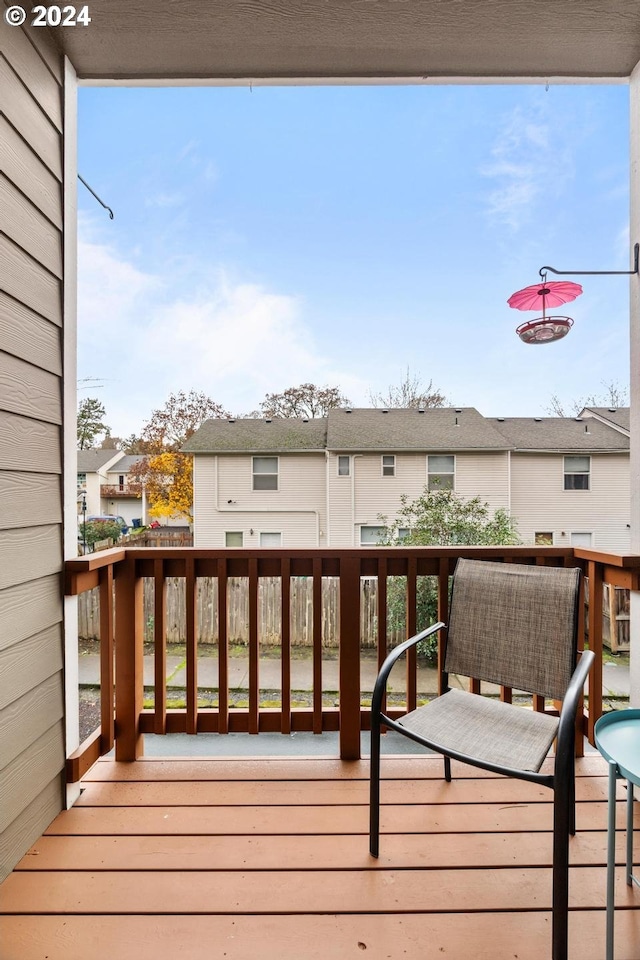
616, 415
441, 428
560, 433
258, 436
124, 465
91, 460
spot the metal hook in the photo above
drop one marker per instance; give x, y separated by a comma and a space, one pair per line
102, 204
598, 273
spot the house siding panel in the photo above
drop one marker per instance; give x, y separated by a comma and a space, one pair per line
484, 475
541, 504
31, 543
296, 509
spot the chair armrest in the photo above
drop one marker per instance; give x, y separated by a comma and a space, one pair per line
396, 653
566, 726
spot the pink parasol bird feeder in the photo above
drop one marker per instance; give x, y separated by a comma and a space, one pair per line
539, 296
546, 329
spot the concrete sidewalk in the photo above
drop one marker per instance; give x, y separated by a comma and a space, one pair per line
615, 676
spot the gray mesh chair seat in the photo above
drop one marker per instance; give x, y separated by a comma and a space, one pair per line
514, 625
489, 731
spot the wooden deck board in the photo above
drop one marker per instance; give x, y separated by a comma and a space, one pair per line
246, 858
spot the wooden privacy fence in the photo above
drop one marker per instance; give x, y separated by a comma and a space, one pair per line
269, 611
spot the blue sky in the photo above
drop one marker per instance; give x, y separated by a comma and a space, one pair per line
270, 236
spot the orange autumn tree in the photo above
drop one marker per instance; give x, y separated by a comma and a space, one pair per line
166, 473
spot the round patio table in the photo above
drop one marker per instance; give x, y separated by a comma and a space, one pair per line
617, 736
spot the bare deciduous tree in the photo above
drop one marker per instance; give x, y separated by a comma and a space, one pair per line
614, 395
412, 391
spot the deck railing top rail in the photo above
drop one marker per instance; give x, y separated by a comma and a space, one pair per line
119, 572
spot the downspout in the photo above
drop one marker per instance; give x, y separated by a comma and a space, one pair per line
327, 539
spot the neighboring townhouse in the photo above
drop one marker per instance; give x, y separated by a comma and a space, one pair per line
93, 468
569, 481
260, 483
327, 482
122, 496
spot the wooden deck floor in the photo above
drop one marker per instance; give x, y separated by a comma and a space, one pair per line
268, 858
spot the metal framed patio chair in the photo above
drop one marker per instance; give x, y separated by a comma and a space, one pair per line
514, 625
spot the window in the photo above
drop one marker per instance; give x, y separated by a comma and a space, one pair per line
576, 473
233, 538
121, 481
544, 539
265, 473
82, 481
344, 466
440, 472
389, 465
371, 535
581, 539
270, 539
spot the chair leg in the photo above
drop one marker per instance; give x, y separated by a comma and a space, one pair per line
374, 787
572, 803
562, 817
447, 769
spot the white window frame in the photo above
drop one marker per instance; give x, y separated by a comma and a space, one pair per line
440, 473
269, 533
581, 533
234, 533
543, 533
576, 473
388, 466
264, 473
340, 459
371, 526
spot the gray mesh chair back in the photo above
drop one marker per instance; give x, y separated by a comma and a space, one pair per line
514, 625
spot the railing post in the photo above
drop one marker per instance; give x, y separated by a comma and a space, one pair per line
129, 661
107, 724
349, 658
594, 572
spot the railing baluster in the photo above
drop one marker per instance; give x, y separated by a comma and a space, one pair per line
129, 661
160, 647
254, 649
285, 653
381, 611
443, 616
594, 572
317, 645
223, 649
349, 658
192, 645
412, 629
107, 671
538, 703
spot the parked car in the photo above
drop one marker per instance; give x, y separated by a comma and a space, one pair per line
111, 518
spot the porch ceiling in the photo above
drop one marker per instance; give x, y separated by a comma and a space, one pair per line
228, 39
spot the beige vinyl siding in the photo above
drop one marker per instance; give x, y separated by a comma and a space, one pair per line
32, 748
484, 475
296, 508
540, 502
341, 526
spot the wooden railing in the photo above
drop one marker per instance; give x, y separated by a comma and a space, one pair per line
119, 573
110, 490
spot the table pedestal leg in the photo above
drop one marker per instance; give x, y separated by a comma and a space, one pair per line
611, 855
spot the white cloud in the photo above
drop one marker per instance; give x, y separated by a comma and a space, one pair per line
233, 339
529, 160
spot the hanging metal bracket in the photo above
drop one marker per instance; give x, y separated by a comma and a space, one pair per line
598, 273
101, 202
